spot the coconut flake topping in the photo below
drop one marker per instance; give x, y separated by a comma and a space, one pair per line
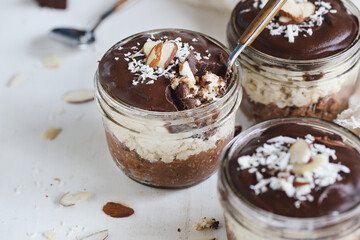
296, 179
291, 31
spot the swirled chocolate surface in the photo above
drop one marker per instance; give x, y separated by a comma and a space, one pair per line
335, 198
156, 94
337, 31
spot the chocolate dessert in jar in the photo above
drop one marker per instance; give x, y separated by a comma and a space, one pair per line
304, 63
167, 111
291, 178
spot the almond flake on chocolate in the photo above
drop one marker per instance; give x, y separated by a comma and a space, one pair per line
51, 133
291, 28
296, 178
117, 210
101, 235
78, 96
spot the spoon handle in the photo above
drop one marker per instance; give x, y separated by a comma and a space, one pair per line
255, 28
260, 21
108, 13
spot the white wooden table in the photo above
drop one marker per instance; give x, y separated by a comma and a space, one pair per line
79, 155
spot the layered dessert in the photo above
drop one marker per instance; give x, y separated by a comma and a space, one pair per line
169, 111
299, 173
304, 63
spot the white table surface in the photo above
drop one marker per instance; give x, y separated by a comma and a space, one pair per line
79, 155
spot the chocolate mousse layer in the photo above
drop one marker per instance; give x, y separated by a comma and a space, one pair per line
125, 76
329, 33
332, 188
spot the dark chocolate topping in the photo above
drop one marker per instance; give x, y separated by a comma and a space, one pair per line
117, 80
335, 198
337, 31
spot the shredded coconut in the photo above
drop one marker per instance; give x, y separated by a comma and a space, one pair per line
350, 118
291, 31
275, 156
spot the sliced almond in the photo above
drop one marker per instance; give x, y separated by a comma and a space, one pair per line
296, 12
300, 152
317, 161
154, 56
51, 133
50, 235
101, 235
148, 46
292, 10
51, 61
308, 9
117, 210
78, 96
185, 70
285, 20
16, 80
72, 199
167, 54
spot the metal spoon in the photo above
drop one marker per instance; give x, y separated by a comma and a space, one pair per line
81, 38
254, 29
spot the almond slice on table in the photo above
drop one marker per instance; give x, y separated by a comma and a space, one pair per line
148, 46
78, 96
153, 59
101, 235
51, 61
300, 152
117, 210
51, 133
316, 161
68, 199
185, 70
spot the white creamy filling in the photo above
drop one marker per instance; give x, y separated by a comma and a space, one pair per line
162, 146
262, 90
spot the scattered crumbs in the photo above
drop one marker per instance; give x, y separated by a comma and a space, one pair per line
60, 182
75, 230
179, 230
206, 223
51, 61
50, 235
116, 58
18, 189
46, 196
31, 235
37, 184
16, 80
51, 133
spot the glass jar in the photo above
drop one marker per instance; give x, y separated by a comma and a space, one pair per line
169, 149
247, 222
276, 87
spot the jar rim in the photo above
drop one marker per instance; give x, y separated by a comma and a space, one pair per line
251, 211
254, 52
203, 109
